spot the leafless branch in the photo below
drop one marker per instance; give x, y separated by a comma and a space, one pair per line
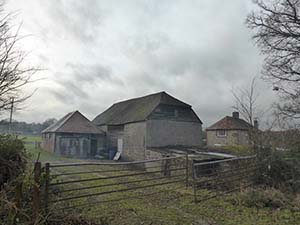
245, 101
13, 72
276, 27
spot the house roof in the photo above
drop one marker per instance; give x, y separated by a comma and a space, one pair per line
137, 109
230, 123
73, 122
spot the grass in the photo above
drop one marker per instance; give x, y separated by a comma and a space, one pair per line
173, 205
30, 138
38, 153
43, 155
237, 150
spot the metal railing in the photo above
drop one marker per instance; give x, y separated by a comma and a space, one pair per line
67, 185
215, 178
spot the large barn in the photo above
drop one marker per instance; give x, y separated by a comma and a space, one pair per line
158, 120
74, 135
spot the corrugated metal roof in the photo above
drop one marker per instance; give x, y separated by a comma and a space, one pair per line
73, 122
137, 109
230, 123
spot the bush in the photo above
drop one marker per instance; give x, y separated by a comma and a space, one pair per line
261, 198
279, 170
12, 158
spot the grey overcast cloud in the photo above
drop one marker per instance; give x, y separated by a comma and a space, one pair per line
98, 52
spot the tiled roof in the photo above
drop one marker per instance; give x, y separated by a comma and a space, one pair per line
137, 109
230, 123
73, 122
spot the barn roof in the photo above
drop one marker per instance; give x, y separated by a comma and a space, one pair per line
230, 123
137, 109
73, 122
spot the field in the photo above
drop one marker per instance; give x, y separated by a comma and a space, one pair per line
172, 205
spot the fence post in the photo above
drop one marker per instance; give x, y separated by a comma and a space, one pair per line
36, 200
167, 171
47, 180
18, 199
187, 169
194, 182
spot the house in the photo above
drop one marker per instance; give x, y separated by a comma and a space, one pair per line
73, 135
136, 125
231, 130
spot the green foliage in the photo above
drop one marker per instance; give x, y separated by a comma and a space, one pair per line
279, 169
10, 213
13, 158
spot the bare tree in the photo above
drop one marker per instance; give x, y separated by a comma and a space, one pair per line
246, 101
13, 73
276, 26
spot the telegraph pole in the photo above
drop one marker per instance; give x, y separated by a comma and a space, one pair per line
11, 113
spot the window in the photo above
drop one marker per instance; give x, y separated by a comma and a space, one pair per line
221, 133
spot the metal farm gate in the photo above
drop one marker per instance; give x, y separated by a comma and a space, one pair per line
73, 185
215, 178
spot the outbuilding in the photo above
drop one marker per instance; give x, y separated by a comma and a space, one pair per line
74, 135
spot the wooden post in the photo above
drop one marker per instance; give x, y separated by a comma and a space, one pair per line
18, 195
194, 182
187, 170
217, 177
167, 168
36, 200
47, 180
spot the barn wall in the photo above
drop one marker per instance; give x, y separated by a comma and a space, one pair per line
134, 141
78, 145
101, 145
48, 141
170, 133
113, 133
233, 137
74, 145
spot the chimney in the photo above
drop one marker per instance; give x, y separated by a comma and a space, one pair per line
255, 122
235, 115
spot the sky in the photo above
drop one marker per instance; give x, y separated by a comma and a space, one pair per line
94, 53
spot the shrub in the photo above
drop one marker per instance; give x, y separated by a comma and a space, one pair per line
279, 170
12, 158
261, 198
